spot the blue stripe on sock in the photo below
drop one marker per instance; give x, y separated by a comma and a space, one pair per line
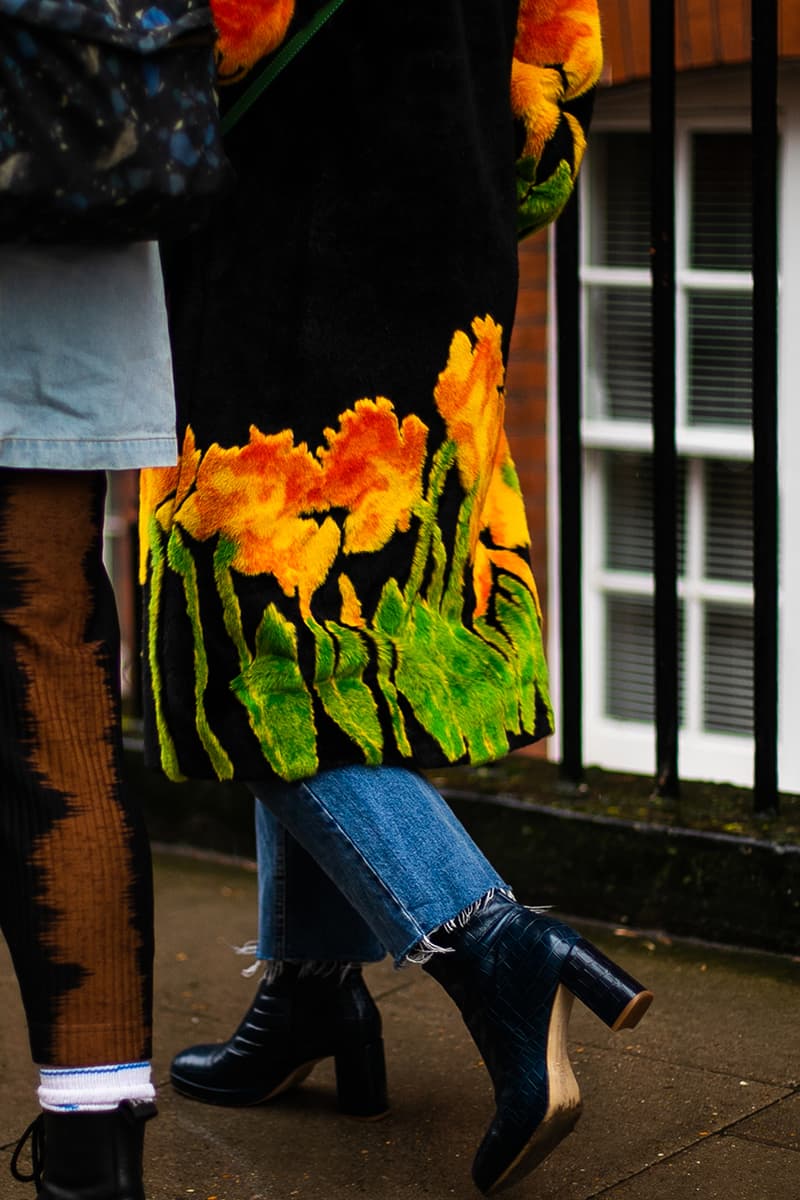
54, 1072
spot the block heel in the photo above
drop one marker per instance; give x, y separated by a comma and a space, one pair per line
361, 1080
612, 994
513, 971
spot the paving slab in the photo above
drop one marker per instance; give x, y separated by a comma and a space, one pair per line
778, 1125
702, 1099
725, 1168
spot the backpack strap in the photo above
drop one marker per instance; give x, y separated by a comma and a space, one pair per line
277, 64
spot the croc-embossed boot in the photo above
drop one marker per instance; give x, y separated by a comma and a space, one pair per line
87, 1155
294, 1021
513, 973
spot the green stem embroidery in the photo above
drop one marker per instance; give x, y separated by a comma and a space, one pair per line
181, 561
427, 511
231, 609
385, 655
453, 603
169, 755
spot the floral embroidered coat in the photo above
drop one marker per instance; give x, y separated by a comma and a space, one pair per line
337, 569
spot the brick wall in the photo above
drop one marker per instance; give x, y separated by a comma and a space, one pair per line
526, 402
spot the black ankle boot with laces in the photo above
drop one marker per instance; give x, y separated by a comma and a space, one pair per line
75, 1155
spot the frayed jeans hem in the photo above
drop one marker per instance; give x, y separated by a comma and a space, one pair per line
424, 949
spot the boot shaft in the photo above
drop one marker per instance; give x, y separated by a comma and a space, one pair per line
308, 1014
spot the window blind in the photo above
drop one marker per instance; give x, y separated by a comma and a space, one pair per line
621, 229
720, 358
728, 691
630, 671
620, 353
721, 202
729, 521
628, 481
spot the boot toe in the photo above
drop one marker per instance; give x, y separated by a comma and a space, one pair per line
512, 1148
219, 1075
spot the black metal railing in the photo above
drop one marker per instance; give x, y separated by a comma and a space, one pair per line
764, 108
665, 456
665, 460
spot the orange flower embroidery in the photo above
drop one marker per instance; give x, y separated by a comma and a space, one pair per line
551, 34
373, 467
248, 29
351, 613
254, 496
162, 490
155, 484
536, 93
503, 512
469, 395
503, 561
503, 517
562, 32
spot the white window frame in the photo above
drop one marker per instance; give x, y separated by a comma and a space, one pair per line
709, 103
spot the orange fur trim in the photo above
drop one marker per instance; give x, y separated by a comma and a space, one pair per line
248, 29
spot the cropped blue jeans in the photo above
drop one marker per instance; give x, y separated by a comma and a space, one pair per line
359, 862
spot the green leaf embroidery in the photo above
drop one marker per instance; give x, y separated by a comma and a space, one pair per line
517, 616
277, 700
345, 696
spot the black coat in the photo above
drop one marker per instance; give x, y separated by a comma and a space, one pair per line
338, 571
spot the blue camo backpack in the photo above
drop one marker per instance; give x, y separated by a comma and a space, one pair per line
108, 120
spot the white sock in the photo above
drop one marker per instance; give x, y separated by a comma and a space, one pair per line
94, 1089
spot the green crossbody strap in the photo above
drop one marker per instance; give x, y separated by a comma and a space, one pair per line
277, 64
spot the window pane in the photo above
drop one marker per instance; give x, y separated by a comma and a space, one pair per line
728, 699
619, 354
630, 677
629, 508
721, 202
620, 164
720, 366
629, 505
729, 521
630, 659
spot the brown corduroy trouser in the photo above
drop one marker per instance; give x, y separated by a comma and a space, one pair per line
75, 873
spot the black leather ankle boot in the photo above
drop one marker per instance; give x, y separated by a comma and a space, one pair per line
293, 1022
87, 1155
513, 973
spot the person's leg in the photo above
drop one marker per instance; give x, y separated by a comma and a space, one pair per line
392, 846
75, 885
312, 1002
352, 861
302, 915
397, 850
403, 861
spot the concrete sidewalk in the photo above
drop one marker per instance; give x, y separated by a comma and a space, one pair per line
702, 1100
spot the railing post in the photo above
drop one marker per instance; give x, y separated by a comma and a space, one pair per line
570, 489
765, 401
665, 499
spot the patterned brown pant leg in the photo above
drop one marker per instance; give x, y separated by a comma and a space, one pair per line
75, 879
